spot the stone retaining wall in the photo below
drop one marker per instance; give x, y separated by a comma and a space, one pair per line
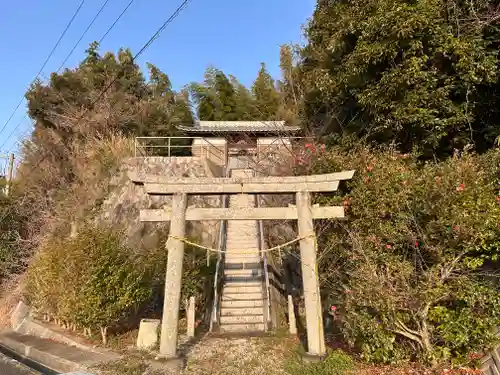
124, 200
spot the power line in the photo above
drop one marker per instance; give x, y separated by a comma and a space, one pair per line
155, 36
12, 133
117, 19
84, 33
46, 61
141, 51
151, 40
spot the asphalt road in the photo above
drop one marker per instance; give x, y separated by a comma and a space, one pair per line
11, 367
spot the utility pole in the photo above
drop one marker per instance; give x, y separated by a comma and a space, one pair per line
10, 171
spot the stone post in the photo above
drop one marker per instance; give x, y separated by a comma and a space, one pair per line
191, 317
73, 230
312, 298
292, 322
171, 305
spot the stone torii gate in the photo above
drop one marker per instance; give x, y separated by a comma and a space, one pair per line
303, 212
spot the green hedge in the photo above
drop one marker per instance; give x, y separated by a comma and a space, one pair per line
95, 282
91, 281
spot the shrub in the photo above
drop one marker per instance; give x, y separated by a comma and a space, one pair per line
336, 363
413, 272
90, 281
197, 276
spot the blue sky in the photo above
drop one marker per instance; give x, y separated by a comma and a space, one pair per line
234, 36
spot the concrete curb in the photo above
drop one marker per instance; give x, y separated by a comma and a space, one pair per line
51, 355
23, 323
46, 359
33, 365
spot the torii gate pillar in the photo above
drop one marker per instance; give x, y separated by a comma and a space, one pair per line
173, 280
310, 280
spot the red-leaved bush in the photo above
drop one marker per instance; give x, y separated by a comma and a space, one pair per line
413, 270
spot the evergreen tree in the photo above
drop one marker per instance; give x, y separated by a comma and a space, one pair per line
216, 98
245, 105
399, 72
267, 100
159, 81
226, 96
97, 85
289, 86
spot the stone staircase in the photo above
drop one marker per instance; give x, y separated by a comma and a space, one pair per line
243, 297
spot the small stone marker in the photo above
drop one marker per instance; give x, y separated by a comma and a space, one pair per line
291, 316
20, 313
191, 317
148, 334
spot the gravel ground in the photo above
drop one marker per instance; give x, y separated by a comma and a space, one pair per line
225, 356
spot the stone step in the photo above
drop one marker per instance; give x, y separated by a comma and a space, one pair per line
243, 319
242, 297
238, 262
243, 245
246, 248
241, 303
243, 252
242, 199
242, 249
257, 265
250, 224
241, 311
235, 279
242, 258
241, 280
250, 227
258, 327
246, 263
243, 227
230, 289
238, 283
240, 254
256, 276
239, 236
252, 272
242, 239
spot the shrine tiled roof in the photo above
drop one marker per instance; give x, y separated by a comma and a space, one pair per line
278, 127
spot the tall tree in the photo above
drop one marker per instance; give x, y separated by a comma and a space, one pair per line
226, 96
289, 88
109, 80
396, 72
245, 104
215, 98
267, 99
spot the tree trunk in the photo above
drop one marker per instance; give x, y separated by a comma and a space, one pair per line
426, 340
104, 335
87, 332
426, 343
